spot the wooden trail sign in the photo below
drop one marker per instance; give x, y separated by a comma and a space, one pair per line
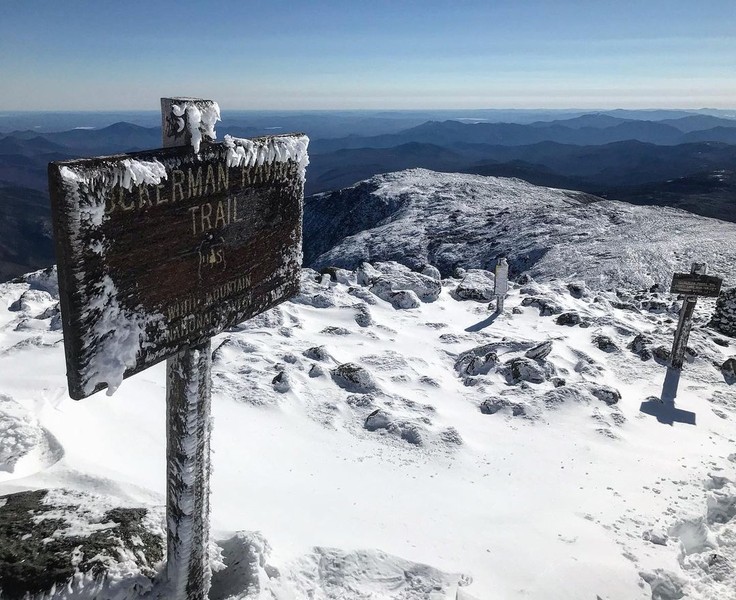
157, 252
161, 250
691, 285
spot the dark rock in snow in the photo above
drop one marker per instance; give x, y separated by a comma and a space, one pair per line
724, 316
68, 540
661, 354
546, 306
558, 381
477, 361
655, 306
640, 346
539, 351
524, 369
605, 343
568, 318
353, 378
451, 436
379, 419
332, 330
403, 299
363, 315
577, 289
318, 353
476, 285
316, 371
281, 382
728, 368
606, 393
490, 406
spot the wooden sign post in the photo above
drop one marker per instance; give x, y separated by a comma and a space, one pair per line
157, 252
690, 285
501, 285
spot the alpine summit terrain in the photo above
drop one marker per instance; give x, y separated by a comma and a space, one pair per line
385, 434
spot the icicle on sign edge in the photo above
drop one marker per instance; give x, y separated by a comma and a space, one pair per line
110, 331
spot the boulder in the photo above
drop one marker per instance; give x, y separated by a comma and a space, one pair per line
568, 318
546, 306
379, 420
490, 406
363, 315
524, 369
353, 378
728, 368
605, 343
477, 285
403, 299
477, 361
640, 346
606, 393
539, 351
84, 544
281, 382
724, 315
318, 353
577, 289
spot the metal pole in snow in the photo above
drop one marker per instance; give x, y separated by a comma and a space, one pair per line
188, 401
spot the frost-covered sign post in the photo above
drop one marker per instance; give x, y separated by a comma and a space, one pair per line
501, 283
157, 252
690, 285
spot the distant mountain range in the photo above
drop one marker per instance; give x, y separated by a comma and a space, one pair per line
685, 159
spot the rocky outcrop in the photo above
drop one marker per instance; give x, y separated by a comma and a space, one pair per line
477, 284
86, 544
724, 316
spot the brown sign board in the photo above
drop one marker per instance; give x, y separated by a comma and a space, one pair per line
158, 251
690, 284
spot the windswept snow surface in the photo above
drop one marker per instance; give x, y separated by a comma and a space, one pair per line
449, 219
420, 453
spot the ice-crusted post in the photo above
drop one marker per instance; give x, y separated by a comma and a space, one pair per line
501, 283
186, 121
686, 321
188, 413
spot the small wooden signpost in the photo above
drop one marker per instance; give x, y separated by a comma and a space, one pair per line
690, 285
501, 285
157, 252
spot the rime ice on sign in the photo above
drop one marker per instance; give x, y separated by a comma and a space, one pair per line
162, 250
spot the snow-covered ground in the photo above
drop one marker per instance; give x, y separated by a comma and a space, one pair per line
484, 466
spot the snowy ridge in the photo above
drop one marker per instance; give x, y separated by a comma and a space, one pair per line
421, 217
438, 434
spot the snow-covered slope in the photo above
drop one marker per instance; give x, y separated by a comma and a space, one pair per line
366, 442
447, 220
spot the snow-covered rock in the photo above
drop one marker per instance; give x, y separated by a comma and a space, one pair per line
476, 285
63, 544
724, 316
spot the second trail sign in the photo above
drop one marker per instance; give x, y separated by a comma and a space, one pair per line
161, 250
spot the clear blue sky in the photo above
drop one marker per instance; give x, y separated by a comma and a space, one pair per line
126, 54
